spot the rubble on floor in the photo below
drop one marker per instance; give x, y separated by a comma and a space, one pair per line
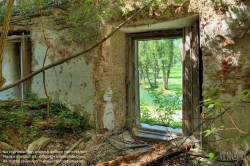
105, 149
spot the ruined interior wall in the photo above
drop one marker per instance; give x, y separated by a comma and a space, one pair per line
109, 77
224, 40
70, 83
225, 34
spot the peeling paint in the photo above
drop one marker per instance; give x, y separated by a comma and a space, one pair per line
108, 117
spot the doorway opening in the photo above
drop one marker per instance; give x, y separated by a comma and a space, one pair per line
16, 65
160, 83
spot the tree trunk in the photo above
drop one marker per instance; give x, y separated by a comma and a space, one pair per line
155, 70
141, 73
167, 77
147, 75
164, 85
155, 76
170, 62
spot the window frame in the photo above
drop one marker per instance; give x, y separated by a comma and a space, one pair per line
191, 114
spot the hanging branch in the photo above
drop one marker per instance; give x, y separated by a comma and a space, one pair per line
71, 57
6, 26
44, 78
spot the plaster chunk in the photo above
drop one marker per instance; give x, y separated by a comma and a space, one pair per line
224, 27
108, 117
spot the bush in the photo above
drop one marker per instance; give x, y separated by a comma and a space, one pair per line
166, 106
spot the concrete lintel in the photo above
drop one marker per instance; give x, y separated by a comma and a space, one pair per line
173, 24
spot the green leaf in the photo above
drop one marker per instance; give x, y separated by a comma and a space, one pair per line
230, 105
212, 156
209, 114
208, 132
211, 106
207, 100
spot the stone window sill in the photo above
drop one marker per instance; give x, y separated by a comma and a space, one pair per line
156, 133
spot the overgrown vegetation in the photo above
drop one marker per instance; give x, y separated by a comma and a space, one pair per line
26, 6
165, 107
28, 122
217, 111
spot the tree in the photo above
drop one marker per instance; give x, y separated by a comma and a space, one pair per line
170, 55
165, 49
156, 56
147, 61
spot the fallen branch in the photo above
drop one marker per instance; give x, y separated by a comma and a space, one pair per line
10, 103
15, 139
160, 151
19, 103
5, 146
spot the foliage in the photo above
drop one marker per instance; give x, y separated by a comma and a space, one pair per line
146, 114
27, 123
2, 12
27, 6
32, 99
212, 156
89, 17
166, 106
68, 121
218, 109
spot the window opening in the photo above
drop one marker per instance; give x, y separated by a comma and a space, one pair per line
191, 82
160, 83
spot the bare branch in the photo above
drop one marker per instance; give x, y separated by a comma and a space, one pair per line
44, 78
71, 57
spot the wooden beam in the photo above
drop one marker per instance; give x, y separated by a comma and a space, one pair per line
158, 152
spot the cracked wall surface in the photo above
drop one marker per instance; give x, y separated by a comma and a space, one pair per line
224, 38
109, 77
70, 83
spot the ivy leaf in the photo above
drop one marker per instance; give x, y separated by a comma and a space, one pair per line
207, 100
209, 114
208, 132
230, 139
211, 106
230, 105
212, 156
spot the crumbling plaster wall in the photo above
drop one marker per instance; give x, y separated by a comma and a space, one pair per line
224, 40
92, 84
109, 77
225, 37
70, 83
